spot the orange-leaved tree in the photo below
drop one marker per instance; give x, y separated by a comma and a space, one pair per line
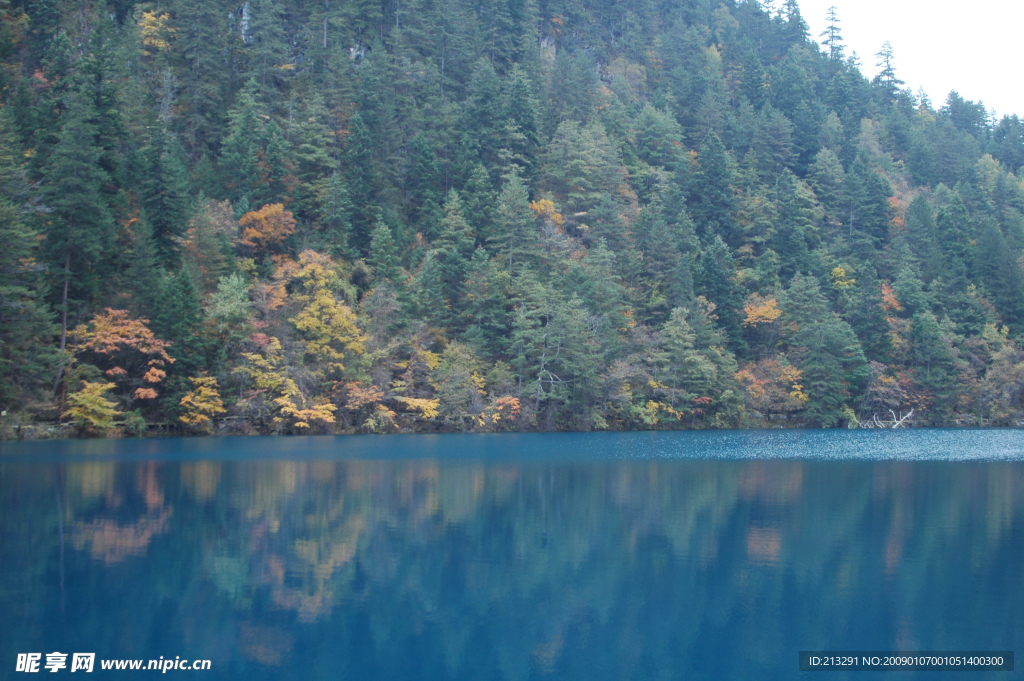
125, 350
773, 386
267, 228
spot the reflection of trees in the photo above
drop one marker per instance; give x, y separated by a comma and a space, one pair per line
112, 541
111, 528
624, 569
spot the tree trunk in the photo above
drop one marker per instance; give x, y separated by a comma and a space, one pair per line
63, 319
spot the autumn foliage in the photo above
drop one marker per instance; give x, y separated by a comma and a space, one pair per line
267, 228
773, 386
202, 403
633, 233
126, 350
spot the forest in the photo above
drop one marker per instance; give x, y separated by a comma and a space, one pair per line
332, 216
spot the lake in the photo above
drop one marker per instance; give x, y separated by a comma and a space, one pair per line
543, 556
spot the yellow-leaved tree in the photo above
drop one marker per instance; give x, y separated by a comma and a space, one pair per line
202, 403
275, 395
90, 410
327, 325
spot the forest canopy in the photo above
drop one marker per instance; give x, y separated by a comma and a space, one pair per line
287, 216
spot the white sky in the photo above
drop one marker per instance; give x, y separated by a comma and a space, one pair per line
971, 47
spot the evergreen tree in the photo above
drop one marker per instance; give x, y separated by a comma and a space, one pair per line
177, 319
362, 178
935, 368
166, 198
720, 286
712, 193
80, 233
200, 28
267, 43
384, 256
515, 237
454, 246
27, 354
240, 155
336, 213
520, 134
423, 182
479, 199
828, 353
484, 303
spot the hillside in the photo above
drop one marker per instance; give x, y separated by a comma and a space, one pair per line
346, 215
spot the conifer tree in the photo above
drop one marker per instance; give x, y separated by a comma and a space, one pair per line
712, 194
200, 28
478, 200
240, 155
268, 45
521, 134
515, 237
935, 368
454, 247
384, 256
336, 213
81, 229
485, 297
27, 354
178, 317
362, 177
720, 286
829, 355
166, 198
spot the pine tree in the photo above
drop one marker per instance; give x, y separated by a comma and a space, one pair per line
886, 78
833, 368
935, 369
280, 177
867, 207
81, 230
166, 198
27, 356
688, 370
712, 193
862, 309
483, 118
336, 213
478, 200
268, 44
922, 238
515, 237
720, 286
384, 256
362, 177
483, 304
956, 231
315, 160
200, 28
827, 351
907, 283
454, 247
423, 182
833, 36
521, 133
796, 233
178, 318
240, 155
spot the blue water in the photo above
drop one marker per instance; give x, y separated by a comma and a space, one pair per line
552, 556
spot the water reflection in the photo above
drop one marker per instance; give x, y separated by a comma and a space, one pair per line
424, 569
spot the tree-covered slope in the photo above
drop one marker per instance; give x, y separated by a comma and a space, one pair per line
291, 216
